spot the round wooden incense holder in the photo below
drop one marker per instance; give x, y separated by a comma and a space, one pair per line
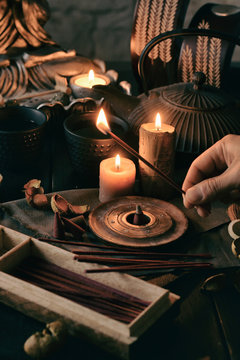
112, 221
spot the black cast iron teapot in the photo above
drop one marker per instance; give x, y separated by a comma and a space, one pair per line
201, 114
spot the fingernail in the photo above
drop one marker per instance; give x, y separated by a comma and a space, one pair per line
194, 195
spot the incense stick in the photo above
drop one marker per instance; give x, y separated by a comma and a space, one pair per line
68, 242
81, 243
138, 156
112, 260
141, 254
128, 268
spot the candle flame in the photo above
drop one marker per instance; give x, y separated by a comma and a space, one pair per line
117, 162
102, 123
158, 122
91, 76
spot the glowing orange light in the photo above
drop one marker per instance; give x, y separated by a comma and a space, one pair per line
102, 123
158, 122
117, 162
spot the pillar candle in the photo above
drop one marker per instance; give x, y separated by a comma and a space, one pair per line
157, 145
116, 179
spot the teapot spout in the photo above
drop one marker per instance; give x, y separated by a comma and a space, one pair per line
122, 104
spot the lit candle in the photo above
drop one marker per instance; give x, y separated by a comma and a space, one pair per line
157, 145
117, 178
90, 79
158, 128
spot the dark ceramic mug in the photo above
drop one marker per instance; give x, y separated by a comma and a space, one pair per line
22, 133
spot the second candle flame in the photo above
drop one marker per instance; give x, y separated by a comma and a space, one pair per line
158, 122
117, 163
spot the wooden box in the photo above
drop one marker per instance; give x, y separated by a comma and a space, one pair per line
45, 306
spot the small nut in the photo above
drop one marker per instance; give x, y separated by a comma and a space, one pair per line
233, 211
40, 201
214, 283
32, 191
61, 205
236, 247
42, 344
234, 229
35, 183
57, 328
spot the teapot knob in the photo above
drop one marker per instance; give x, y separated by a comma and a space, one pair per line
198, 79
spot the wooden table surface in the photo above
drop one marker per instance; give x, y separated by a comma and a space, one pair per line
195, 328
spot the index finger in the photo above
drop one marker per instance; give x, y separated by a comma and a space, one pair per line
210, 163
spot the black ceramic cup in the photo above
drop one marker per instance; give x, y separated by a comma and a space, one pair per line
22, 132
87, 146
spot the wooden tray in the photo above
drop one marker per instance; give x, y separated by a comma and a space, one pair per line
45, 306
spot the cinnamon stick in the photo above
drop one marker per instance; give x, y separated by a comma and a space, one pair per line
58, 228
80, 220
73, 228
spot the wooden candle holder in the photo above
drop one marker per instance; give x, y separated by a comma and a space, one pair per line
158, 147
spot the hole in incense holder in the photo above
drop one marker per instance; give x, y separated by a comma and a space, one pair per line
118, 221
145, 219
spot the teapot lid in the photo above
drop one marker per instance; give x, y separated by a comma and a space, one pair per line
195, 95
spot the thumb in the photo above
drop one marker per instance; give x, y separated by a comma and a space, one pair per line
207, 190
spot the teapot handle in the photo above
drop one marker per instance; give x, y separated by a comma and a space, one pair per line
177, 33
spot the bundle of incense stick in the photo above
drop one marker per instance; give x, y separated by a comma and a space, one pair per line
90, 293
128, 259
133, 264
123, 260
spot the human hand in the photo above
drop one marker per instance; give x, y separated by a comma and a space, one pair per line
215, 174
